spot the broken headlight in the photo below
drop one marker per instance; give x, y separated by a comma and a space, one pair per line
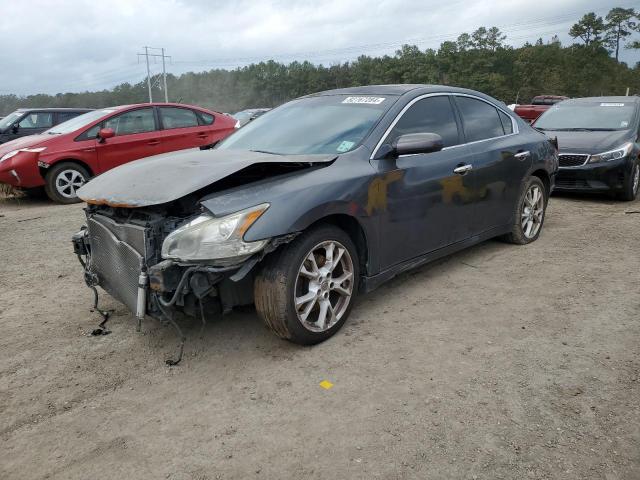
208, 238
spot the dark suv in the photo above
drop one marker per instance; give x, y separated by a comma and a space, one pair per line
321, 198
30, 121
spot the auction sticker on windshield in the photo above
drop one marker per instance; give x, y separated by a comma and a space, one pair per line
345, 146
366, 100
612, 104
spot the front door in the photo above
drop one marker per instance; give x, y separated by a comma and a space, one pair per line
32, 123
423, 204
136, 136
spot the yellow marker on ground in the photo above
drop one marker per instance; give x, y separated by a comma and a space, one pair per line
326, 384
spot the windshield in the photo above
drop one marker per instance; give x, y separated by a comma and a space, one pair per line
9, 119
314, 125
78, 122
588, 116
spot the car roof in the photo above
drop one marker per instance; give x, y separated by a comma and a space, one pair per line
56, 109
612, 99
402, 89
156, 104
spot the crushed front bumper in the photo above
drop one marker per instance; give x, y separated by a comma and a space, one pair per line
124, 260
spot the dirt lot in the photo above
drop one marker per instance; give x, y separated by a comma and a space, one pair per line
499, 362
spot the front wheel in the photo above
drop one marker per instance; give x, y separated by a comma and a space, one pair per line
529, 213
63, 180
632, 185
305, 290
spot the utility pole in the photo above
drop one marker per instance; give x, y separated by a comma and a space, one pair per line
164, 79
151, 80
146, 56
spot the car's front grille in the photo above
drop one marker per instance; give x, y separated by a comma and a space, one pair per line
572, 160
117, 256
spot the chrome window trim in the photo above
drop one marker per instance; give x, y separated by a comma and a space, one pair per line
514, 124
578, 154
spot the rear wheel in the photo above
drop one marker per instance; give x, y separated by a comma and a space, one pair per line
529, 213
632, 185
305, 291
63, 180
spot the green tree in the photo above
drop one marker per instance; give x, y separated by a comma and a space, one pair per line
620, 24
589, 28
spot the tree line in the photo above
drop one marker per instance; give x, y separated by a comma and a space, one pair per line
481, 60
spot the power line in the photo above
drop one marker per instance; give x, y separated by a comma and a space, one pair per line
161, 55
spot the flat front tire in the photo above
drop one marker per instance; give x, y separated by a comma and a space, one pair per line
306, 289
529, 213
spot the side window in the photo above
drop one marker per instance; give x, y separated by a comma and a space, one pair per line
481, 120
37, 120
507, 124
173, 117
64, 116
134, 121
429, 115
207, 119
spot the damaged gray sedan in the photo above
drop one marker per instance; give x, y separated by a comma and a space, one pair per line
325, 197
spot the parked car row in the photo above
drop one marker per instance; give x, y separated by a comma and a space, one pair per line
62, 158
310, 204
538, 106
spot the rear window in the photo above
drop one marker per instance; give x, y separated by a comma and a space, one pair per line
481, 120
173, 117
207, 119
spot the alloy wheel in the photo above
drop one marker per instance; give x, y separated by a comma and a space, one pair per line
324, 286
532, 211
68, 181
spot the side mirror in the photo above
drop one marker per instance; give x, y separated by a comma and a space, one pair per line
15, 127
105, 133
412, 143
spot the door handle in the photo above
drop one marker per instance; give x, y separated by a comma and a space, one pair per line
153, 142
462, 169
202, 135
522, 155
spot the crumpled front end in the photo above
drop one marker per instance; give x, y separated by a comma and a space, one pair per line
120, 250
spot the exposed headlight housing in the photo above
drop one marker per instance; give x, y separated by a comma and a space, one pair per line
207, 238
616, 154
13, 153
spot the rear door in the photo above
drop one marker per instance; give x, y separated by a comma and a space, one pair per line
499, 161
424, 204
137, 136
181, 129
64, 116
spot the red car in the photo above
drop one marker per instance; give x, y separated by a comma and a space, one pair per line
538, 106
67, 155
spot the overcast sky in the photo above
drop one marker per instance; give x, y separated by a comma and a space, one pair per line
78, 45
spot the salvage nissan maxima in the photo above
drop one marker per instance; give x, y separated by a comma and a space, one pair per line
320, 199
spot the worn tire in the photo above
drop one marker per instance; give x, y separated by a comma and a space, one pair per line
630, 193
517, 234
274, 286
52, 175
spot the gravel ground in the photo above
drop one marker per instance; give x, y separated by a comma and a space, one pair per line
498, 362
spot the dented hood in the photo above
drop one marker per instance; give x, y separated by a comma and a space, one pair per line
168, 177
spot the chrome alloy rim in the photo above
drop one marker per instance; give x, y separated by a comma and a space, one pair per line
636, 179
324, 286
532, 211
68, 181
